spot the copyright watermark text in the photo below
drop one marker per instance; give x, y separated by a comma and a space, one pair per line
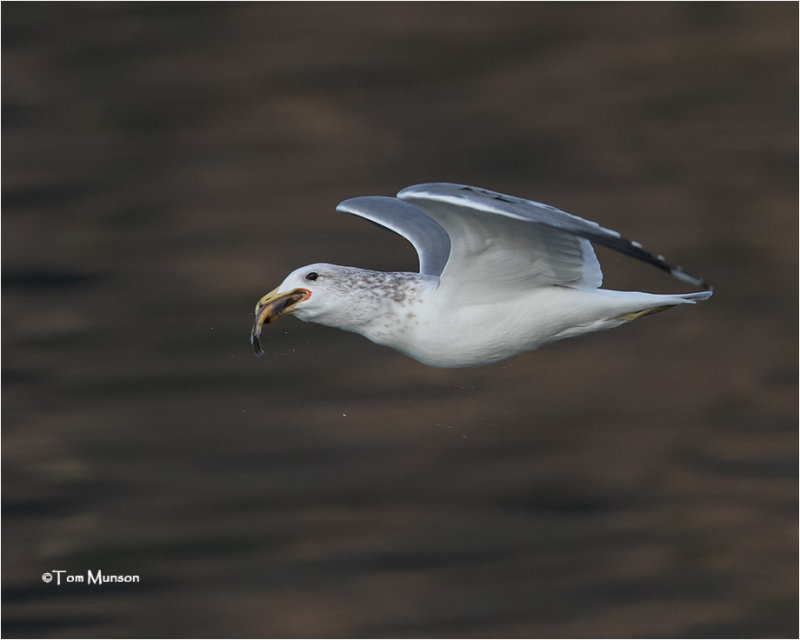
62, 576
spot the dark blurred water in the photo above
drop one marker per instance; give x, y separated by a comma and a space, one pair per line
164, 165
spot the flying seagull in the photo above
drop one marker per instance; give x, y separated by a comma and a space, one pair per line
498, 276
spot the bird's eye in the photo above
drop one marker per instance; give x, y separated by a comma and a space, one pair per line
312, 275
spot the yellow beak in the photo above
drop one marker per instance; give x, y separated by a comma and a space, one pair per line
270, 307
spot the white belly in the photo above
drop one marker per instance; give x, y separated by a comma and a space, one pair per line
480, 334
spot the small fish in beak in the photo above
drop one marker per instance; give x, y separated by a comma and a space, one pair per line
271, 306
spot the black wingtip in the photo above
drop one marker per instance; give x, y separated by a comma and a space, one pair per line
682, 275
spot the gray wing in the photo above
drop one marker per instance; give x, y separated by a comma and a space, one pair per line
446, 202
426, 235
495, 256
483, 254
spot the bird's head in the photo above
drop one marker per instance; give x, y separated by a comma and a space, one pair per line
307, 292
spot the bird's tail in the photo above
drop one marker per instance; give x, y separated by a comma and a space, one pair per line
699, 295
666, 302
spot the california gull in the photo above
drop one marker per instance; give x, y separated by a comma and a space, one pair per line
498, 276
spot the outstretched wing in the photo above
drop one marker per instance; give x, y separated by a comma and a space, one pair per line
497, 254
484, 252
426, 235
462, 210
